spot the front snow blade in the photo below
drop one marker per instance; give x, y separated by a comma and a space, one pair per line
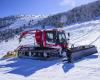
82, 51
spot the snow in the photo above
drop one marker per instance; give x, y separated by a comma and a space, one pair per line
29, 39
88, 68
25, 19
8, 46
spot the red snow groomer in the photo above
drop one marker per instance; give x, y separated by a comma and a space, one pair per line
52, 43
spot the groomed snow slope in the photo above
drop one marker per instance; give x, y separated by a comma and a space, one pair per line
87, 68
25, 19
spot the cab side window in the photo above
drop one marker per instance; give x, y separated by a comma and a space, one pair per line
50, 37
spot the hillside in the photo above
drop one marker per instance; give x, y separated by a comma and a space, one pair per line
13, 25
83, 13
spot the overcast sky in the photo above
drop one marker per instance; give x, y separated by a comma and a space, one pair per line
37, 7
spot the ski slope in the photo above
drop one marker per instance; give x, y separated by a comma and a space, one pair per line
85, 33
24, 20
88, 68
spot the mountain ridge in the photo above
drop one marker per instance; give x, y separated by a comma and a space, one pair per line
79, 14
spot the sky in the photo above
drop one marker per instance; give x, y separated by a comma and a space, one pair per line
38, 7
